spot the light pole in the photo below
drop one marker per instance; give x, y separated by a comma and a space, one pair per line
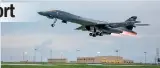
23, 56
41, 58
61, 54
11, 58
117, 54
51, 53
25, 53
98, 53
34, 59
77, 51
157, 55
145, 57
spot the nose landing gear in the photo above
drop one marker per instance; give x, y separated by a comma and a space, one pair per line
52, 25
55, 20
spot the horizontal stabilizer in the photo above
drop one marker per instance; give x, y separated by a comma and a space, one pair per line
141, 24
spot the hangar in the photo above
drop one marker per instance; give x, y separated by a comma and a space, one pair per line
57, 60
104, 59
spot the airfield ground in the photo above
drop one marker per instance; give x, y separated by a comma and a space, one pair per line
74, 66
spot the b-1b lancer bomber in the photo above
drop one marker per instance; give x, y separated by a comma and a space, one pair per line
96, 27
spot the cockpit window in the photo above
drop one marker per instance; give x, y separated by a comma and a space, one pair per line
51, 11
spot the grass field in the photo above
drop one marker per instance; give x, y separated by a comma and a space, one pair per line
75, 66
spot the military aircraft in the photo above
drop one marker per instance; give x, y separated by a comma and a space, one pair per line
96, 27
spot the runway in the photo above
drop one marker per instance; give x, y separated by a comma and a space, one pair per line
70, 64
23, 64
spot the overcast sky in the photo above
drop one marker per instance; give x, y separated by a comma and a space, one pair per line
19, 37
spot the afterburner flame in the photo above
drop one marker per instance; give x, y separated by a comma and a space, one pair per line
129, 33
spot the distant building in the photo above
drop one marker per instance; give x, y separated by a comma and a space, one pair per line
104, 59
57, 60
73, 62
24, 61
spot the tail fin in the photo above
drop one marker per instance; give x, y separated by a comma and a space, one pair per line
133, 18
130, 22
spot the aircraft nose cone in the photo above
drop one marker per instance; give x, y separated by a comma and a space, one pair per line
40, 13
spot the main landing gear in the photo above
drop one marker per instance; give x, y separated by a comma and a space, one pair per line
55, 20
95, 33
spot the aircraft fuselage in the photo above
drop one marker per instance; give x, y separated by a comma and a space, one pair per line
65, 16
94, 26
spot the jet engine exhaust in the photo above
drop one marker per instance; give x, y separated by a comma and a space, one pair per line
129, 33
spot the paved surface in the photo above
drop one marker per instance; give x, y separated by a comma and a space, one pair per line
21, 64
125, 65
71, 64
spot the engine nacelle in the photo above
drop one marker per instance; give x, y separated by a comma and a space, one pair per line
88, 28
91, 28
63, 21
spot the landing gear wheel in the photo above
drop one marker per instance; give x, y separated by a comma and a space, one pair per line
94, 35
97, 33
52, 25
90, 34
109, 34
100, 34
54, 22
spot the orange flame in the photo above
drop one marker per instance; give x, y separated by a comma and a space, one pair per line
129, 33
